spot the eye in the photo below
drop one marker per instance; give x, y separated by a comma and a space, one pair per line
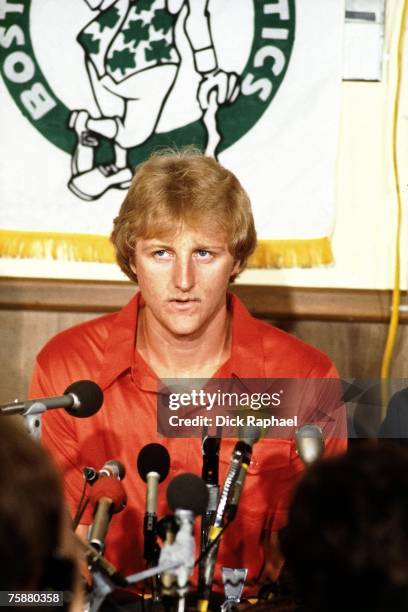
161, 254
203, 254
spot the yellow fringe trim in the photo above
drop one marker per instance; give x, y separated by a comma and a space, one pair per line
88, 247
291, 253
47, 245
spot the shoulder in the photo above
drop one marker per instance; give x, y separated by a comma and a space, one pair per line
283, 355
291, 356
77, 347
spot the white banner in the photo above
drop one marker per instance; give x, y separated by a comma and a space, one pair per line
93, 86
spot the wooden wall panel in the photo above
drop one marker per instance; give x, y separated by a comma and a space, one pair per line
350, 326
355, 347
262, 301
22, 334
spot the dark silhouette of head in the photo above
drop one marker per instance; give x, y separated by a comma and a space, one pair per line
346, 541
31, 512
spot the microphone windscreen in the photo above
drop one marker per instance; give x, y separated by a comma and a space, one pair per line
109, 487
153, 458
90, 397
309, 443
249, 434
188, 492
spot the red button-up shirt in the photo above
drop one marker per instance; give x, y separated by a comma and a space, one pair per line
104, 350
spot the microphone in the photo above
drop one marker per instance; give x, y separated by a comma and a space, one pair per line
227, 506
210, 449
250, 435
153, 464
110, 468
309, 444
81, 399
240, 460
187, 496
187, 492
107, 497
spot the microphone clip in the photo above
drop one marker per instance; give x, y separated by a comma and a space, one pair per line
90, 474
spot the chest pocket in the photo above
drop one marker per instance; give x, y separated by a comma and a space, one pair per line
267, 477
267, 454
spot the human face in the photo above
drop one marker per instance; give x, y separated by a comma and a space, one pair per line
183, 280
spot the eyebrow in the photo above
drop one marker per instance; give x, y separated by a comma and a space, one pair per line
152, 244
155, 244
210, 247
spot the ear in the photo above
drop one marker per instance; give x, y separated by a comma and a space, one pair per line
235, 270
133, 266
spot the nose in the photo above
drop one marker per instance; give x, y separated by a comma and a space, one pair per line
184, 273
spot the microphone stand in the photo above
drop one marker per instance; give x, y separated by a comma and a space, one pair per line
102, 587
154, 571
151, 549
105, 577
31, 415
181, 549
176, 562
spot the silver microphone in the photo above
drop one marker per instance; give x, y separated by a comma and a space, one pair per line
309, 443
110, 468
107, 498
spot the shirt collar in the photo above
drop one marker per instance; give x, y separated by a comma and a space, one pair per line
246, 361
120, 347
247, 355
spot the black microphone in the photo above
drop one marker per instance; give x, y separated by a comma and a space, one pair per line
249, 435
240, 460
107, 497
227, 506
211, 450
210, 470
110, 468
187, 492
153, 464
81, 399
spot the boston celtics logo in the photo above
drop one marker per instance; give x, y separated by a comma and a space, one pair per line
107, 81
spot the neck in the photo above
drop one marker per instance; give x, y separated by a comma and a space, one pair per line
196, 356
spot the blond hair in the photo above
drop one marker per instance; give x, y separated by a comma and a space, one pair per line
175, 188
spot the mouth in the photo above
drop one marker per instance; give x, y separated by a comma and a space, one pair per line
183, 303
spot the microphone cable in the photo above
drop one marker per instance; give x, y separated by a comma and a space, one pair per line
82, 504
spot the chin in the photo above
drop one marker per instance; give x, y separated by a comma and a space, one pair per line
183, 328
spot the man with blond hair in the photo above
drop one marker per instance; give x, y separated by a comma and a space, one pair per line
184, 232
